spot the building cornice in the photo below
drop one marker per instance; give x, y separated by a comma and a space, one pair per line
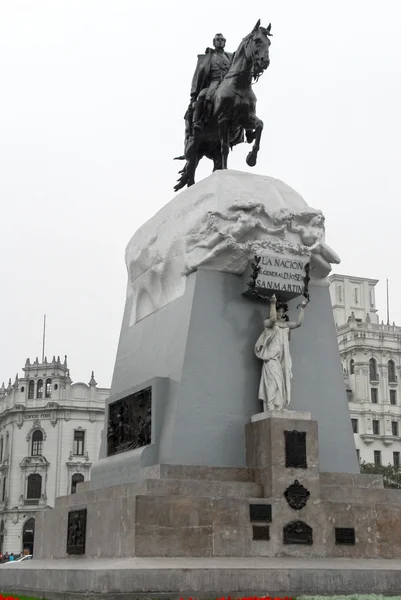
51, 407
339, 277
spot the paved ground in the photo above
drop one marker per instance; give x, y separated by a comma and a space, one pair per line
209, 563
135, 578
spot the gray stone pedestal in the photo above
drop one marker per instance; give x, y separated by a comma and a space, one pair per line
197, 353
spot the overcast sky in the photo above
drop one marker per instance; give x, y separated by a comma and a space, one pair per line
93, 94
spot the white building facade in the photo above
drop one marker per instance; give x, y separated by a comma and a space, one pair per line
50, 433
371, 356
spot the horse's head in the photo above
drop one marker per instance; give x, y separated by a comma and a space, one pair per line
259, 43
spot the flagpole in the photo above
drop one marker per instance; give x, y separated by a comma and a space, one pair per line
44, 338
388, 305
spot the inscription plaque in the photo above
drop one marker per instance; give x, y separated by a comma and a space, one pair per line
345, 535
261, 532
260, 512
296, 495
295, 449
130, 422
76, 532
297, 532
282, 274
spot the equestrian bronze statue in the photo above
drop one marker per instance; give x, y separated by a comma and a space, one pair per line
222, 109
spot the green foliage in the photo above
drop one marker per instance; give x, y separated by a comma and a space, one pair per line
391, 475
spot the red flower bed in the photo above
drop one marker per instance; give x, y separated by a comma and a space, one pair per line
243, 598
222, 598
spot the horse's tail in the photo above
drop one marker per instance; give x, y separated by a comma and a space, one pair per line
183, 180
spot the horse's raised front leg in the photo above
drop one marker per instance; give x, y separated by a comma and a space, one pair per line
225, 146
217, 161
253, 154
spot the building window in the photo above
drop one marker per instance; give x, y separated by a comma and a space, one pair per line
48, 389
358, 455
1, 449
374, 395
393, 397
356, 295
394, 427
373, 375
39, 389
354, 425
76, 478
37, 443
391, 371
376, 427
3, 491
378, 458
349, 395
351, 366
339, 293
31, 390
79, 442
34, 489
396, 459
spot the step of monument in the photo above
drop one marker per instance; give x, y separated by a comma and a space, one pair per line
362, 480
355, 494
196, 487
107, 493
165, 487
198, 472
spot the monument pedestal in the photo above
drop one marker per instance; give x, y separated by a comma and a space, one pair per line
278, 504
175, 519
188, 469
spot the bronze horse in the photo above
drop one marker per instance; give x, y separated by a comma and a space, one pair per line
233, 111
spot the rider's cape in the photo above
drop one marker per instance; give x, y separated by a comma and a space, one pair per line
201, 77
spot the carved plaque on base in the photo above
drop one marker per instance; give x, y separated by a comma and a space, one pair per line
260, 533
130, 422
295, 449
260, 512
296, 495
76, 532
297, 532
345, 535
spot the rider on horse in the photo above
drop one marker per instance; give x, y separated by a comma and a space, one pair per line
209, 73
223, 103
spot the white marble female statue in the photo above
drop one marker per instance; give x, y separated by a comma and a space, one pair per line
273, 348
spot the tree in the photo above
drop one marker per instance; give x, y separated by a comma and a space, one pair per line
391, 474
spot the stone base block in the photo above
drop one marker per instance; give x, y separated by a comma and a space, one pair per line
281, 414
277, 506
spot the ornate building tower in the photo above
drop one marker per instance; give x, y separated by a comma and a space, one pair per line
371, 356
50, 431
